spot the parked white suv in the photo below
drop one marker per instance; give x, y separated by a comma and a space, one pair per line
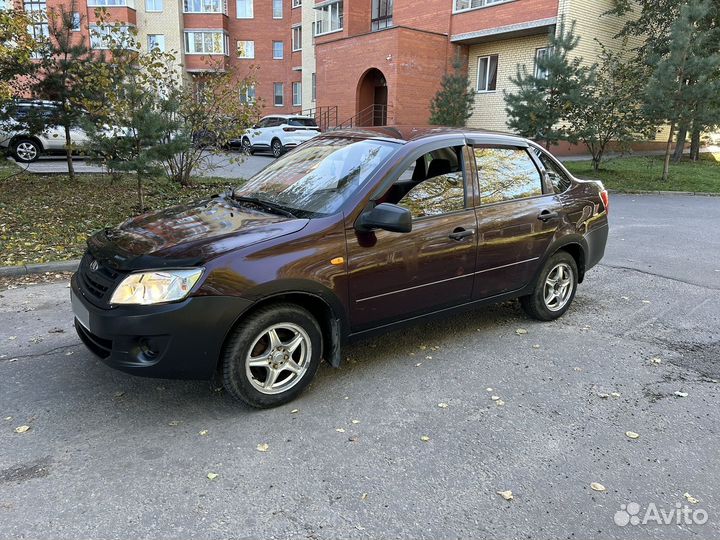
278, 133
26, 147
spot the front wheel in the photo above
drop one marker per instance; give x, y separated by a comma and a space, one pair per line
277, 148
26, 151
247, 147
272, 356
554, 289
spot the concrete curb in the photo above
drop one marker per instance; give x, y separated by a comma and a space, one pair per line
27, 269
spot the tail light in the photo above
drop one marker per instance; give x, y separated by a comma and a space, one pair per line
605, 200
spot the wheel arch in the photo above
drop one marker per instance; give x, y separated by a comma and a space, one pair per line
34, 138
575, 245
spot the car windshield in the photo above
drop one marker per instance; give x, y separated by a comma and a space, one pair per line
319, 176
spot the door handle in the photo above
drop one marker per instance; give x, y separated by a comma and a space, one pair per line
546, 215
459, 234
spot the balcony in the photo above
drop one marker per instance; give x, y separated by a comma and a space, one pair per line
477, 21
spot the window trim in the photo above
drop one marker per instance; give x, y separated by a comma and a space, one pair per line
535, 61
387, 18
296, 4
282, 94
341, 18
245, 57
298, 85
162, 2
226, 39
484, 6
252, 10
277, 17
222, 3
163, 42
295, 27
487, 73
282, 55
103, 3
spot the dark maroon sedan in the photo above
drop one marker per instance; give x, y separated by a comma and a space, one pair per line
354, 232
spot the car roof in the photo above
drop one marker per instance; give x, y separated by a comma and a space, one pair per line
288, 116
406, 134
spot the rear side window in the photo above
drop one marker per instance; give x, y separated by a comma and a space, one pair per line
304, 122
559, 179
506, 174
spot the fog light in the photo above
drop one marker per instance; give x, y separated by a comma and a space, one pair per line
147, 349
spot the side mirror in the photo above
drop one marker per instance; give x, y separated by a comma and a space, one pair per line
256, 126
386, 216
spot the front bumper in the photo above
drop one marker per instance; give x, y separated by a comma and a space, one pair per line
181, 340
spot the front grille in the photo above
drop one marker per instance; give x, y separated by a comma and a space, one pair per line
97, 283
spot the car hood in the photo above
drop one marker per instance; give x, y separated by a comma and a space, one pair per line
187, 235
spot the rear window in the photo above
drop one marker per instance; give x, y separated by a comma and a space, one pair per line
304, 122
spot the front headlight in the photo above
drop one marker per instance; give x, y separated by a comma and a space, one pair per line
156, 287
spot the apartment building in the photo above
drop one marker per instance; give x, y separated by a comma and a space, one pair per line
367, 61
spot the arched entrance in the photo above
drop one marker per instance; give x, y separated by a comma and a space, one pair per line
372, 99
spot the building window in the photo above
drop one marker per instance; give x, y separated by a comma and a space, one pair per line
246, 49
277, 9
203, 6
278, 94
153, 6
37, 12
206, 42
382, 14
328, 18
296, 3
540, 73
313, 85
296, 94
247, 95
462, 5
487, 73
100, 34
76, 21
297, 38
111, 3
244, 9
156, 41
278, 50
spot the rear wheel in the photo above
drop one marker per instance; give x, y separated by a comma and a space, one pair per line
277, 148
554, 290
247, 147
26, 150
272, 356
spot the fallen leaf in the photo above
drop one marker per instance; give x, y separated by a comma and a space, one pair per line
212, 475
536, 346
8, 418
494, 398
119, 394
615, 394
443, 405
631, 435
428, 358
203, 432
263, 447
603, 395
352, 438
363, 497
520, 331
418, 364
424, 438
294, 411
507, 495
499, 403
489, 389
646, 301
340, 430
625, 297
174, 423
655, 360
681, 394
21, 429
355, 421
577, 369
690, 498
595, 486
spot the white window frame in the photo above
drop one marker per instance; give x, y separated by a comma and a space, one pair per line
248, 95
282, 50
111, 3
324, 14
276, 4
297, 94
282, 95
249, 3
96, 42
296, 3
460, 6
151, 6
538, 54
162, 47
249, 49
487, 74
76, 21
220, 6
225, 42
296, 38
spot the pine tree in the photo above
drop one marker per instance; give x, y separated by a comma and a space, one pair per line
538, 109
453, 103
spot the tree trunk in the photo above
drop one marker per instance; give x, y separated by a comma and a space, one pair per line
666, 163
68, 154
680, 144
695, 145
141, 196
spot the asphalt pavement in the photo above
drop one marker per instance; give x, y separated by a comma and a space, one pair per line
370, 451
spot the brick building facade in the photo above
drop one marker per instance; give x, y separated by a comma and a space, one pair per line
369, 61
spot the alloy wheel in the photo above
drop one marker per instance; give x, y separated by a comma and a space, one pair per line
26, 151
276, 148
278, 358
558, 287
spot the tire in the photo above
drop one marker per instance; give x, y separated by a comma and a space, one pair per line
550, 299
26, 150
276, 147
247, 147
273, 356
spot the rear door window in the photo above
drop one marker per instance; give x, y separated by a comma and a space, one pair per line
302, 122
506, 174
559, 178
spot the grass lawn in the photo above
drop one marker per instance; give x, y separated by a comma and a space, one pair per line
643, 173
48, 218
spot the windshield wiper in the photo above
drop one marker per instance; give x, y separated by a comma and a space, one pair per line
262, 203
